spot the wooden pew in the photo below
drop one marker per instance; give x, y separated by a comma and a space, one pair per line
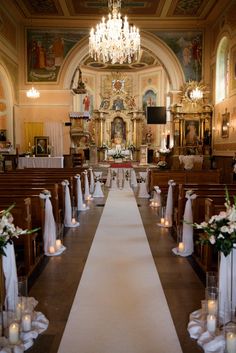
28, 244
160, 178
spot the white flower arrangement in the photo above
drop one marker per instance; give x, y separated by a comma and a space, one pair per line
7, 229
164, 151
220, 230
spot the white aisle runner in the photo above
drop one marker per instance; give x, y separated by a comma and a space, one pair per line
120, 306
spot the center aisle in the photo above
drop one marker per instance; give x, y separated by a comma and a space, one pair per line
120, 306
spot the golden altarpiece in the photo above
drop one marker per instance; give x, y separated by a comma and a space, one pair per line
117, 123
192, 126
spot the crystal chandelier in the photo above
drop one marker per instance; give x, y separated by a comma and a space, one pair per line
114, 40
33, 93
196, 94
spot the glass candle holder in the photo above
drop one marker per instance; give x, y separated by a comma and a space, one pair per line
212, 300
230, 338
211, 279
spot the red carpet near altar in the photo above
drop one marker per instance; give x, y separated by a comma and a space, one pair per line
121, 165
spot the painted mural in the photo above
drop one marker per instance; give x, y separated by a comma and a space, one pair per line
149, 99
187, 46
46, 50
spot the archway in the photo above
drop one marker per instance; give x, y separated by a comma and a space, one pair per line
149, 41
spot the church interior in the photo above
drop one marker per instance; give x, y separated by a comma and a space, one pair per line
111, 162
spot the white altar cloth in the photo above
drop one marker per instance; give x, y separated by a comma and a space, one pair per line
40, 162
120, 306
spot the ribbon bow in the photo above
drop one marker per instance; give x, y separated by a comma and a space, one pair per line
171, 182
45, 194
65, 183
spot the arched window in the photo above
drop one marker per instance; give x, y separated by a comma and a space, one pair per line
222, 70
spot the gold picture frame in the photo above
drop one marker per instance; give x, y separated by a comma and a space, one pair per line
41, 146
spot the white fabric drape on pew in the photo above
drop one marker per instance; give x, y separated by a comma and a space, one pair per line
187, 236
68, 208
10, 274
80, 205
169, 203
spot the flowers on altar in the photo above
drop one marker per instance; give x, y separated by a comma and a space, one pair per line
220, 230
164, 151
7, 229
131, 147
118, 154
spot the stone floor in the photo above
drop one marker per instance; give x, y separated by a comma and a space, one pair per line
57, 283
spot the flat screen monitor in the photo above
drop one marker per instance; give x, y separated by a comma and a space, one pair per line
156, 115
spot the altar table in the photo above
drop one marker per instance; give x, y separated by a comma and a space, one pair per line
40, 162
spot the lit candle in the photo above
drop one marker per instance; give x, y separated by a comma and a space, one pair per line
230, 342
181, 247
58, 244
51, 250
167, 223
73, 221
211, 323
18, 311
212, 307
14, 333
26, 322
84, 205
162, 220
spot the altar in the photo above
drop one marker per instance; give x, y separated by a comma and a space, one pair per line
118, 153
40, 162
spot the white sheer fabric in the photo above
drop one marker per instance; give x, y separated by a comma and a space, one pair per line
10, 274
157, 196
68, 209
49, 232
98, 190
210, 343
80, 205
187, 236
86, 186
91, 188
133, 179
227, 283
108, 181
55, 132
120, 173
169, 203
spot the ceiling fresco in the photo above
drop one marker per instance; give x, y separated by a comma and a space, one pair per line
165, 9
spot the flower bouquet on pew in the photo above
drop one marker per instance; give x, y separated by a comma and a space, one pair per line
220, 230
8, 231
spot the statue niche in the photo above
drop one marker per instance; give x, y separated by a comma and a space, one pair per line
118, 131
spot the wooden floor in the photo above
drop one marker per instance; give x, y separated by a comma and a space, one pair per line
56, 285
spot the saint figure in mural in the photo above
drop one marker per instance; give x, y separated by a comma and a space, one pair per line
86, 103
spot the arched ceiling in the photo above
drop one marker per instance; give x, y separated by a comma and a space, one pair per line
145, 59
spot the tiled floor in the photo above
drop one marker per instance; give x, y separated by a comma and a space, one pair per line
56, 286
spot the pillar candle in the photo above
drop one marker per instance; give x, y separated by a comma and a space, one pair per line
14, 333
18, 311
231, 342
58, 244
73, 221
167, 223
51, 250
26, 322
211, 323
162, 220
212, 307
181, 247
